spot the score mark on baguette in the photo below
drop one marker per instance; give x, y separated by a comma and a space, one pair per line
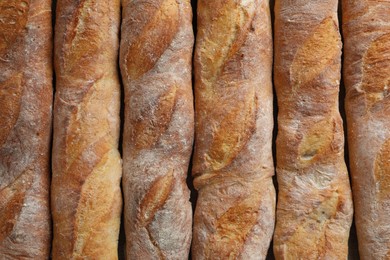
224, 37
382, 170
316, 53
102, 178
10, 102
376, 79
233, 227
82, 122
308, 240
155, 198
11, 202
317, 141
82, 41
155, 38
234, 131
76, 166
13, 22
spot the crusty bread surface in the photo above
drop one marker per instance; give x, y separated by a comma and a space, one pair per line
155, 60
314, 210
85, 193
233, 165
366, 29
25, 127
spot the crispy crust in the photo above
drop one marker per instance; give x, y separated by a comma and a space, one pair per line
233, 166
366, 28
25, 127
155, 60
86, 197
314, 211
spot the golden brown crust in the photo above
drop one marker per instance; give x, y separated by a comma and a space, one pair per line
25, 126
156, 50
86, 196
233, 164
314, 211
158, 37
366, 28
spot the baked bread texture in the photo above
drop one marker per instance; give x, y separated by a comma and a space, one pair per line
86, 197
314, 210
233, 165
25, 127
155, 60
366, 29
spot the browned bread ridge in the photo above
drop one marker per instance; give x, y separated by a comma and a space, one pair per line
233, 166
25, 126
366, 29
155, 59
86, 196
314, 211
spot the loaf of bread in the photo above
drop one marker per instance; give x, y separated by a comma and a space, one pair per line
366, 29
233, 165
155, 60
86, 197
314, 211
25, 127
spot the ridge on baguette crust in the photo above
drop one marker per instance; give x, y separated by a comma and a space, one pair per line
366, 29
25, 128
233, 166
86, 196
314, 211
155, 61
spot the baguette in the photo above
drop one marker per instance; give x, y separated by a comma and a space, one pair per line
233, 165
155, 60
366, 31
25, 127
86, 195
314, 211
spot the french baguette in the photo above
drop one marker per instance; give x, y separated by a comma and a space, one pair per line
155, 59
25, 128
86, 197
314, 210
366, 29
233, 165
